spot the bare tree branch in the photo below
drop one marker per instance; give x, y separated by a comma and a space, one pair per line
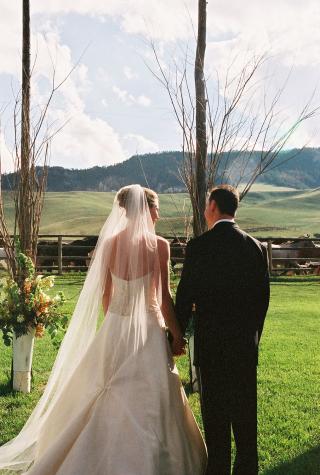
244, 136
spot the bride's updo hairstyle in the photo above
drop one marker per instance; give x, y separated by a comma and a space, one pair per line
122, 197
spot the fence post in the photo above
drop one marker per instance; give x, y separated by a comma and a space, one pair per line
270, 256
60, 255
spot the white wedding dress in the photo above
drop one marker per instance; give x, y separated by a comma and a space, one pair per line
113, 403
123, 413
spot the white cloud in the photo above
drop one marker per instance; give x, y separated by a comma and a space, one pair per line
86, 142
166, 19
10, 47
130, 99
7, 161
137, 144
129, 74
289, 26
143, 100
103, 75
306, 136
288, 30
122, 94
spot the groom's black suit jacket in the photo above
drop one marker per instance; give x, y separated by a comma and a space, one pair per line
225, 275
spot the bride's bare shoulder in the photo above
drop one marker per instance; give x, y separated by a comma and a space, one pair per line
112, 242
163, 245
162, 241
118, 237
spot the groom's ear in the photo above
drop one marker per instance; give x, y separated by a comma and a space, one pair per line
212, 206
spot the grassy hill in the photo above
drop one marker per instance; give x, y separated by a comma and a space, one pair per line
266, 211
284, 212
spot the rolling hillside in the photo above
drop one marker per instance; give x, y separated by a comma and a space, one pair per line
266, 211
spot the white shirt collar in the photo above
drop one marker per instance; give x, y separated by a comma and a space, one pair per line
223, 221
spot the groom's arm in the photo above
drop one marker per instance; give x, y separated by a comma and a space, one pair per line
185, 290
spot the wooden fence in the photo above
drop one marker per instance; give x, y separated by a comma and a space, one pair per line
77, 257
71, 252
60, 260
307, 258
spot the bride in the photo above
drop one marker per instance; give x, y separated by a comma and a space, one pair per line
114, 404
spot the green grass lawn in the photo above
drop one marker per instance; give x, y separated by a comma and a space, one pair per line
289, 378
265, 211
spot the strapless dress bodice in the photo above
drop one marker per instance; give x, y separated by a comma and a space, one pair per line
129, 294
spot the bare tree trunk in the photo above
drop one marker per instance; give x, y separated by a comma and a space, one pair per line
24, 192
31, 144
22, 347
199, 223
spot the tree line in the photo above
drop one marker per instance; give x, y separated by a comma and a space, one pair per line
161, 171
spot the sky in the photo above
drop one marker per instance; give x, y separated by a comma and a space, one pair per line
112, 106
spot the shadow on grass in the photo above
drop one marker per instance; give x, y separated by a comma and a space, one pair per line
296, 278
305, 464
187, 388
6, 388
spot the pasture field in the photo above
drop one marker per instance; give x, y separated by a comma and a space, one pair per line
265, 211
289, 378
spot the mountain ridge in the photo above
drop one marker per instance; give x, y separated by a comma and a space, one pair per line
161, 171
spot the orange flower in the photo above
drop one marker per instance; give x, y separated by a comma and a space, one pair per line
27, 287
39, 330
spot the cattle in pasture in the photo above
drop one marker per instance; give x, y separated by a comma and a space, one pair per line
296, 254
48, 252
81, 248
177, 250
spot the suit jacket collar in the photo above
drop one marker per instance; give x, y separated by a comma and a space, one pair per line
224, 225
223, 221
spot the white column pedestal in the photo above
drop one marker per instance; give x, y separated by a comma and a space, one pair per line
22, 361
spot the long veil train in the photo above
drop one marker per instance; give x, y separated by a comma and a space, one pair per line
18, 454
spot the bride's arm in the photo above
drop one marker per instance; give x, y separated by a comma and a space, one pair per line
107, 293
167, 307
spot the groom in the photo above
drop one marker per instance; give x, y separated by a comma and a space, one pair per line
226, 276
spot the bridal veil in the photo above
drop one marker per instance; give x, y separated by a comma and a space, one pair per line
127, 249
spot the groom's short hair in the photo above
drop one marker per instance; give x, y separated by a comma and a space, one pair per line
226, 197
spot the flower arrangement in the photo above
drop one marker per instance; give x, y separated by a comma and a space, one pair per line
25, 304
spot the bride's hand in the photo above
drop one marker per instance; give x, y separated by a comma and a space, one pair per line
179, 346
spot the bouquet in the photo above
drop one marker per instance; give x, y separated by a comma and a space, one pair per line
25, 304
